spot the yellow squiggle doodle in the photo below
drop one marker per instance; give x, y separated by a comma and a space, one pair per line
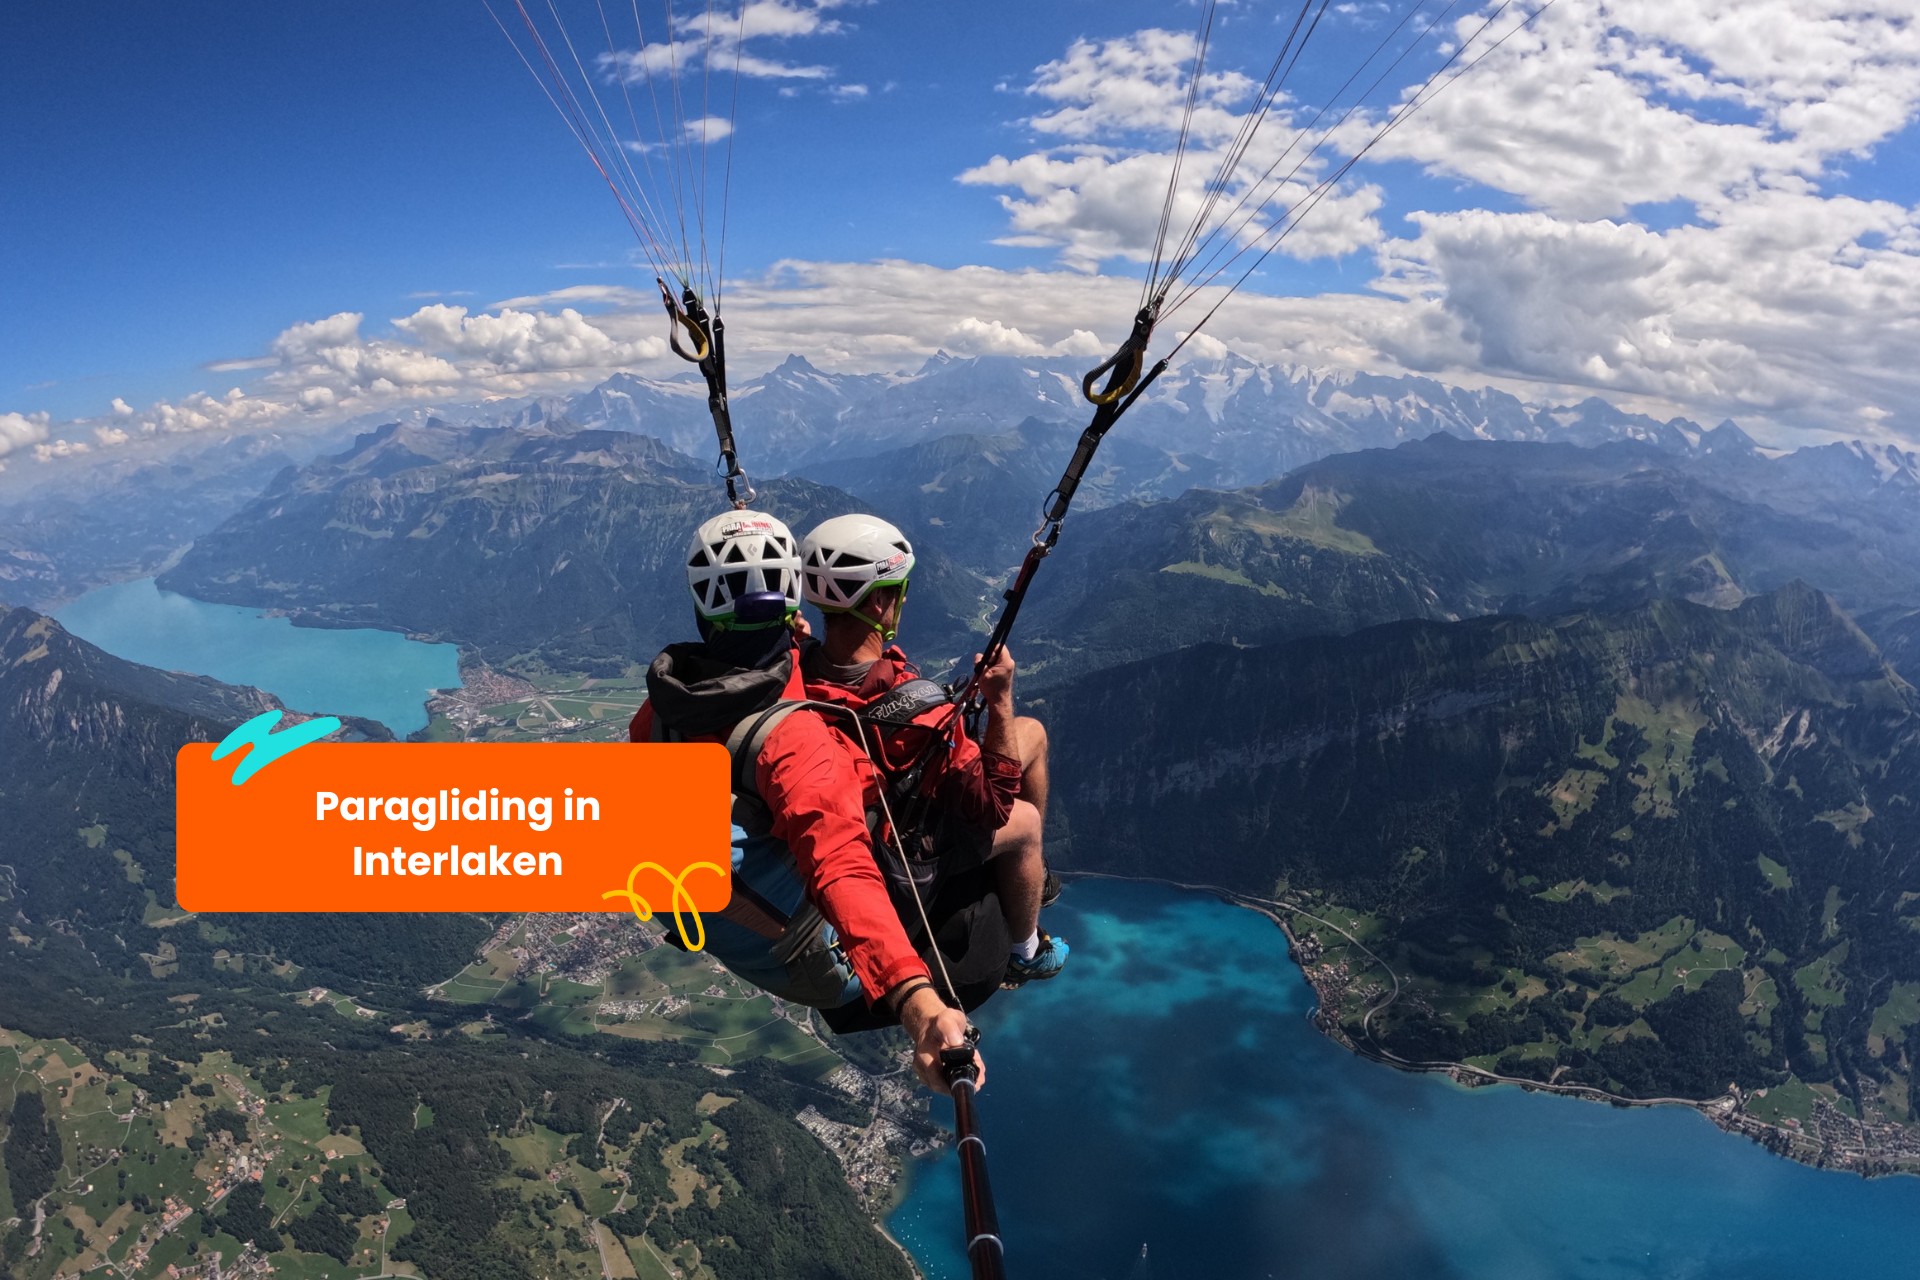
644, 910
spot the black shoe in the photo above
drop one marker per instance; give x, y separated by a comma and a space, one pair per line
1050, 890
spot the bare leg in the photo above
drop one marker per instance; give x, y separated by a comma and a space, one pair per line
1018, 870
1031, 736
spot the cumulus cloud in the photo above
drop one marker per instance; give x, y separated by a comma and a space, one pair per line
331, 367
891, 314
1770, 295
1115, 111
59, 449
19, 430
1792, 305
525, 341
1596, 108
1765, 296
1756, 292
717, 39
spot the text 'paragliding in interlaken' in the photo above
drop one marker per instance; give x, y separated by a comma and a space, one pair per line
383, 826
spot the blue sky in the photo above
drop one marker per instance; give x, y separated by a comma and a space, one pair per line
198, 188
201, 176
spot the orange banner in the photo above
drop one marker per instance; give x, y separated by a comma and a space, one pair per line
457, 826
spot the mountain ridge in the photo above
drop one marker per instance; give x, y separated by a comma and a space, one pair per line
1525, 802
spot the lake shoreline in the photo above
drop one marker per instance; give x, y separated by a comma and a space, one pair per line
1725, 1112
357, 672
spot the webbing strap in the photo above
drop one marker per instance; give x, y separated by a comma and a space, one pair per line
747, 908
746, 741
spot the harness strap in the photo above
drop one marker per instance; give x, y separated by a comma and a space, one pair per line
746, 741
789, 934
748, 908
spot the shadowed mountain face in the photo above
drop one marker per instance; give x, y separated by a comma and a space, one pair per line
95, 954
125, 519
578, 538
1507, 794
534, 547
86, 752
1446, 528
978, 498
87, 745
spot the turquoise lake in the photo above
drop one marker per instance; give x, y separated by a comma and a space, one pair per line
1168, 1090
381, 675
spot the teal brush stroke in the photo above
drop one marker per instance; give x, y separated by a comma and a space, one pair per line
267, 745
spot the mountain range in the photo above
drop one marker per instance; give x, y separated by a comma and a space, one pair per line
1656, 850
1216, 422
1250, 421
1599, 729
578, 535
556, 549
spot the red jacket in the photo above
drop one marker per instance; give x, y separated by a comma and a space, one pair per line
976, 785
808, 780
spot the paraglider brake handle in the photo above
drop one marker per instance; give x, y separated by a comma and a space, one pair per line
1122, 368
684, 318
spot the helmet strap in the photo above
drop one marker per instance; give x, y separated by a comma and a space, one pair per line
887, 633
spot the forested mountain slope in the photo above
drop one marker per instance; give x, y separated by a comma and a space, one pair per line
1526, 810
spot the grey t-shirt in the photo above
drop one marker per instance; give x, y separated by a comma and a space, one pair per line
817, 666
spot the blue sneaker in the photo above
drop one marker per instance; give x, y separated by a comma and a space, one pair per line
1047, 962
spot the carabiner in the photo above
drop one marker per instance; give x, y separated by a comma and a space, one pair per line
729, 471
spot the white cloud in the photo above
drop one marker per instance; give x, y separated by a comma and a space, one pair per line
713, 42
782, 19
1780, 307
525, 341
1765, 297
329, 368
1771, 297
1602, 106
59, 449
1117, 110
974, 336
18, 430
697, 132
1136, 83
1688, 320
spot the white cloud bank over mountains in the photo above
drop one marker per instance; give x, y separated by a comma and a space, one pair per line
1769, 298
1755, 281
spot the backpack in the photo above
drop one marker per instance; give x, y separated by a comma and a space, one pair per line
770, 933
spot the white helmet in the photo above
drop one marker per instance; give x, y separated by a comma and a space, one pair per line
848, 556
741, 553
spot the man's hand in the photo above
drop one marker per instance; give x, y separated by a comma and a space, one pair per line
996, 682
933, 1026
